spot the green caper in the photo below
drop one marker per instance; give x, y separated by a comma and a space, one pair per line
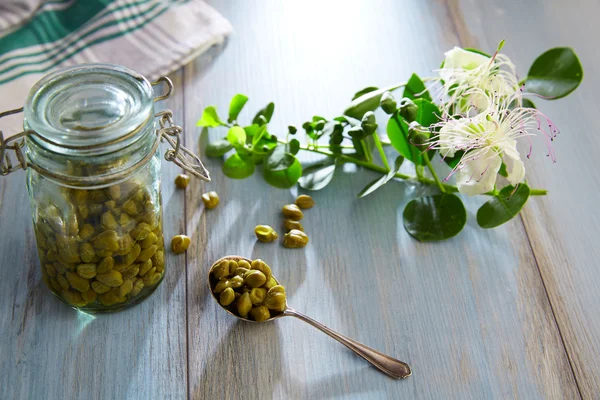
244, 305
221, 269
292, 211
146, 254
107, 240
130, 207
87, 253
257, 295
236, 282
290, 224
275, 301
86, 231
255, 278
210, 200
244, 264
87, 271
149, 241
105, 265
305, 201
227, 297
145, 267
270, 283
180, 243
182, 181
240, 271
222, 285
276, 289
141, 231
114, 192
260, 313
79, 283
265, 233
125, 245
295, 239
261, 266
233, 266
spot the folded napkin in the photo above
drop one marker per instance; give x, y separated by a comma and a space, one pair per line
152, 37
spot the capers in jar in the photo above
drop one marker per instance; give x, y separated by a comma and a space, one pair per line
182, 181
251, 293
292, 211
210, 200
180, 243
305, 201
265, 233
295, 239
290, 224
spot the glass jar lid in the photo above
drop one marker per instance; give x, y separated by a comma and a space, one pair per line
88, 105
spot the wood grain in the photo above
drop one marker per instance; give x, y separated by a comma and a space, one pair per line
51, 352
562, 227
470, 315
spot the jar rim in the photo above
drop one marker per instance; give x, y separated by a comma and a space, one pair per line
87, 105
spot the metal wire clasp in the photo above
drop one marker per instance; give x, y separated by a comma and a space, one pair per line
14, 143
179, 155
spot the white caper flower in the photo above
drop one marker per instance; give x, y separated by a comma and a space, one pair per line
488, 142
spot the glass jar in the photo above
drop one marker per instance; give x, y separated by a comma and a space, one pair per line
93, 176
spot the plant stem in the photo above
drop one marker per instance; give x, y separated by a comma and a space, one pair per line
433, 173
366, 151
381, 152
377, 168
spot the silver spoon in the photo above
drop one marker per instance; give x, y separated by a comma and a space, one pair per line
386, 364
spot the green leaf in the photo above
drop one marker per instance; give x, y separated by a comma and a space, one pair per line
528, 104
427, 113
503, 207
397, 130
294, 146
318, 176
210, 118
237, 103
280, 159
555, 73
286, 178
218, 148
377, 183
236, 136
367, 102
452, 162
237, 168
364, 91
433, 218
415, 89
266, 113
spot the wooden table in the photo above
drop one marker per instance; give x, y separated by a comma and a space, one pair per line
504, 314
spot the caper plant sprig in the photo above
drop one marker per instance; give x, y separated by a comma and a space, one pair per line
469, 117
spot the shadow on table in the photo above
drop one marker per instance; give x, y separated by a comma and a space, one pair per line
249, 362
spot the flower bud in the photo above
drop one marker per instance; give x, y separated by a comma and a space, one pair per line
417, 135
388, 103
408, 109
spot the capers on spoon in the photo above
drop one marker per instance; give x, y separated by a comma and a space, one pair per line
248, 304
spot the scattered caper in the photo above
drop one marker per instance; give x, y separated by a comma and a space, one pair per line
180, 243
292, 211
295, 239
182, 181
265, 233
290, 224
210, 199
305, 201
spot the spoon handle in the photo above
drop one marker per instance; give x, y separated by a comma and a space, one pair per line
386, 364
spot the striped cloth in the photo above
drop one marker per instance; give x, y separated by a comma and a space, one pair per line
152, 37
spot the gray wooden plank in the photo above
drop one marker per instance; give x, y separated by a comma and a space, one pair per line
470, 315
50, 351
563, 227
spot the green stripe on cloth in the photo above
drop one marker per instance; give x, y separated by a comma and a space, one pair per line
101, 39
60, 55
50, 26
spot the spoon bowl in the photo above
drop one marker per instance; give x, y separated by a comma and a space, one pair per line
386, 364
